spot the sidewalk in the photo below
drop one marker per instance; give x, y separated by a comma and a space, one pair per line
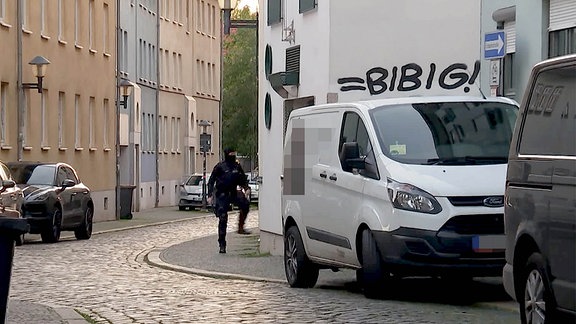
243, 260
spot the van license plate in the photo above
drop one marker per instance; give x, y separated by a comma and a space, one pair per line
488, 243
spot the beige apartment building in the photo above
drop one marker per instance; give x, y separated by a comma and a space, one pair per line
189, 91
73, 119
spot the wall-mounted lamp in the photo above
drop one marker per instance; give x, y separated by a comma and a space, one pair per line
40, 65
125, 91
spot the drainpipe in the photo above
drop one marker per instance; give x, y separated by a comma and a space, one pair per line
19, 81
117, 106
157, 136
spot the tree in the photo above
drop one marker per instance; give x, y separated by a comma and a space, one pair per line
240, 88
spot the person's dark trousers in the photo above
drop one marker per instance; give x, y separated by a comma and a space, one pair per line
221, 208
244, 205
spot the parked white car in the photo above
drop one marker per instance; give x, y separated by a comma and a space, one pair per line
191, 192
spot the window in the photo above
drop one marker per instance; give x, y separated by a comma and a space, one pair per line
77, 120
173, 132
106, 127
3, 112
353, 130
177, 134
91, 23
508, 76
25, 15
175, 66
165, 134
188, 16
180, 69
26, 119
105, 31
61, 119
562, 42
3, 10
43, 19
77, 23
549, 119
91, 123
160, 133
274, 12
307, 5
61, 24
198, 16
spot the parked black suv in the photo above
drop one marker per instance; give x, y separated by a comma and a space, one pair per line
540, 197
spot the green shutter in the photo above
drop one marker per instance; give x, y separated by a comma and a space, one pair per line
307, 5
274, 11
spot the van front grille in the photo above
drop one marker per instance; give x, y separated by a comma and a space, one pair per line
470, 200
475, 224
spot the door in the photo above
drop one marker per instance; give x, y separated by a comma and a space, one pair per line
79, 195
66, 197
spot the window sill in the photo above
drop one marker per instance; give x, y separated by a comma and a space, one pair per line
106, 54
26, 31
63, 149
27, 148
107, 149
45, 148
78, 46
45, 37
78, 149
62, 42
92, 51
5, 24
93, 149
5, 147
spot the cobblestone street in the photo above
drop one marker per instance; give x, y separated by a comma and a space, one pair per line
107, 278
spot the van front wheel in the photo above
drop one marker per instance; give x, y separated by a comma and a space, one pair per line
300, 271
372, 275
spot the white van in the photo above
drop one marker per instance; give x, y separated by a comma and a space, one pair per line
396, 187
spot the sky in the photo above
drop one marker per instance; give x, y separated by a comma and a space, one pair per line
253, 4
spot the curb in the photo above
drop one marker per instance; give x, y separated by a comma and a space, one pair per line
67, 314
153, 258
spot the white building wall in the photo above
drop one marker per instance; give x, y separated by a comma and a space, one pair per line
342, 39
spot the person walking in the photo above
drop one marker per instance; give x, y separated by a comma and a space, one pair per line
224, 180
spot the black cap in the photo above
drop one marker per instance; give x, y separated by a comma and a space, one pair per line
228, 150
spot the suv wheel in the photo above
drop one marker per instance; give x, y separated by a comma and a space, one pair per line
84, 232
372, 275
300, 271
537, 304
52, 234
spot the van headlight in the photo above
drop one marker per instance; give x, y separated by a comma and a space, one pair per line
407, 197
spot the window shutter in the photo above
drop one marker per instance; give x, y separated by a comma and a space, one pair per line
562, 14
510, 31
307, 5
274, 11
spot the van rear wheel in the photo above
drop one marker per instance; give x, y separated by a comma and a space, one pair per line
372, 276
300, 271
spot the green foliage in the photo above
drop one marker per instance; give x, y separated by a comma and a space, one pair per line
240, 88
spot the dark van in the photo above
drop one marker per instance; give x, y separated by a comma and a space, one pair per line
540, 197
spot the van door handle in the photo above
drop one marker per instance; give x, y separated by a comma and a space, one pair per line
323, 175
333, 177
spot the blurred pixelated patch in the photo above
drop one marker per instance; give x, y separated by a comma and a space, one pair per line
305, 148
488, 243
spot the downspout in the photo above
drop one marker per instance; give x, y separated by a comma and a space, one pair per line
19, 80
157, 90
117, 106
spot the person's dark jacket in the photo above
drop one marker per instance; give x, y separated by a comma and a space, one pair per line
225, 178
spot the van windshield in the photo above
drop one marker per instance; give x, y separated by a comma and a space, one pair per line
446, 133
194, 180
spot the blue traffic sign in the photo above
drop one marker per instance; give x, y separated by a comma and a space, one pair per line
494, 45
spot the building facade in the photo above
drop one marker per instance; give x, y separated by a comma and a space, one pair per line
534, 30
168, 50
72, 120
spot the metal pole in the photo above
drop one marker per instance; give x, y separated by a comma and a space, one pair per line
221, 106
204, 203
117, 144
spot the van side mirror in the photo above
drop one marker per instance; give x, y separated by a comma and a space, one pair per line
350, 157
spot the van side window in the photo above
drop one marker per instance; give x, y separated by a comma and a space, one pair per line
550, 119
354, 130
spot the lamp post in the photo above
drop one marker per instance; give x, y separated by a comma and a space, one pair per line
205, 146
39, 67
124, 89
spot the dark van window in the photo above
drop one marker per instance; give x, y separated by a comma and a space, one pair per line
449, 133
194, 180
550, 122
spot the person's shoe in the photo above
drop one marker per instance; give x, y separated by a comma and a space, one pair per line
243, 231
222, 249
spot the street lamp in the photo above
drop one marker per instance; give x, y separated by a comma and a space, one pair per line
227, 6
125, 89
205, 146
39, 67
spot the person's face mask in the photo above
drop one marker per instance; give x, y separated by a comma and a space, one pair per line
231, 157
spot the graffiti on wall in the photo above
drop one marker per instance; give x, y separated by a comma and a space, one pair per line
410, 77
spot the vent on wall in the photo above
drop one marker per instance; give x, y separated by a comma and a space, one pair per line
293, 59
